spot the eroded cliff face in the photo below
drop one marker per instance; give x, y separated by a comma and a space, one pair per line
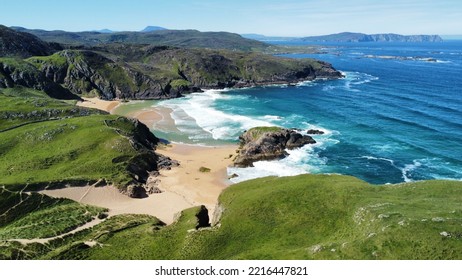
160, 74
268, 143
141, 71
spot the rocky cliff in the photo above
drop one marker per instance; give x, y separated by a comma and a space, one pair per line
135, 71
153, 73
268, 143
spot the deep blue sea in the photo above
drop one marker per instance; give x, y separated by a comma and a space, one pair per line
395, 117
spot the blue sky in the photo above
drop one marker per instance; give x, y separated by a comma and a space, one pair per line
268, 17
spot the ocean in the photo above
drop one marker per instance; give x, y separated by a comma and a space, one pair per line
395, 117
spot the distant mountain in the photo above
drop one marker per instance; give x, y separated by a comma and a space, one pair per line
152, 28
104, 31
21, 44
176, 38
361, 37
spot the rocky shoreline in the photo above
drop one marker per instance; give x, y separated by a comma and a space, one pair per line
268, 143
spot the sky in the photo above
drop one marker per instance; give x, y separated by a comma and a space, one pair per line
267, 17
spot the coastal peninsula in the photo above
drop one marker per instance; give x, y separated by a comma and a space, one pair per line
80, 183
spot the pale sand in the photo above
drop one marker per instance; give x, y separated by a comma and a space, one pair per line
164, 206
97, 103
198, 188
183, 187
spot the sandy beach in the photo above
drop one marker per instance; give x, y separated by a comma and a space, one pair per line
183, 187
97, 103
198, 180
188, 181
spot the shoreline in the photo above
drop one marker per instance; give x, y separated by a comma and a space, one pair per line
198, 180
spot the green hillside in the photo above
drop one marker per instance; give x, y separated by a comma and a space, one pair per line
177, 38
302, 217
47, 142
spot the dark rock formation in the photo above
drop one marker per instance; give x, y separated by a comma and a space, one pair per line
135, 191
268, 143
315, 132
202, 217
145, 163
15, 72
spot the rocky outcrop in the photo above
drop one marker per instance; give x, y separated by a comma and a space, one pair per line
91, 73
314, 132
268, 143
202, 217
145, 163
16, 72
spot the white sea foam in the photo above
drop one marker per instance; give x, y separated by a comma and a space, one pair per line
351, 81
306, 84
409, 168
272, 118
196, 112
380, 158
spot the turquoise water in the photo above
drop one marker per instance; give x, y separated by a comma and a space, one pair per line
395, 117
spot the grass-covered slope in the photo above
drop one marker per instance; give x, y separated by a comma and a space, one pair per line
20, 106
48, 142
302, 217
338, 217
34, 216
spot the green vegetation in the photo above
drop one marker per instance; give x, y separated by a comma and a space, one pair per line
301, 217
47, 142
24, 215
50, 143
256, 132
56, 60
204, 169
20, 106
18, 65
154, 65
63, 149
178, 83
177, 38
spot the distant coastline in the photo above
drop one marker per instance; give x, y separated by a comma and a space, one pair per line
352, 37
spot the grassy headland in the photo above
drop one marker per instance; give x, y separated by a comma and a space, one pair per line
46, 142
